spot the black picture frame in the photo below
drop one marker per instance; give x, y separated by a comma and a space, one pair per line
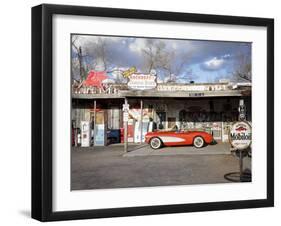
42, 111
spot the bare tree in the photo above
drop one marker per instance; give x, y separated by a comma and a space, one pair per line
98, 49
155, 54
187, 75
176, 66
243, 67
78, 49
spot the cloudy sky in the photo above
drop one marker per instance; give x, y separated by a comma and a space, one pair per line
182, 60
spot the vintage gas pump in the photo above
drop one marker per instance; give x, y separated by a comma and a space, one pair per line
85, 133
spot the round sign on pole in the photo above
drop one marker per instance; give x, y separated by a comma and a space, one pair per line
240, 135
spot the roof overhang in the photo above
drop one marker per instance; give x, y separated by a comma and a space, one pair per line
152, 93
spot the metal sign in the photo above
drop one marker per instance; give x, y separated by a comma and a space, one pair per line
142, 81
125, 116
240, 135
129, 72
242, 110
126, 107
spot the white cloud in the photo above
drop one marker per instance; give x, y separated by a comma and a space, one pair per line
175, 46
226, 56
213, 64
137, 45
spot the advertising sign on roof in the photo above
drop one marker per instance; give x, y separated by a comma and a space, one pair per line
129, 72
95, 78
142, 81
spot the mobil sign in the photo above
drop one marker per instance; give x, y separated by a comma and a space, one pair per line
240, 135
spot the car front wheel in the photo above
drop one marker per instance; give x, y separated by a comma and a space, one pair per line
155, 143
198, 142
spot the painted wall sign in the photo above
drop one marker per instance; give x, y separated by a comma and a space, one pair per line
142, 81
240, 135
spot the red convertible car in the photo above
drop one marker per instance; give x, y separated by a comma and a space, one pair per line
158, 139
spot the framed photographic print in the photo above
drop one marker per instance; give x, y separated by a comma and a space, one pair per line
146, 112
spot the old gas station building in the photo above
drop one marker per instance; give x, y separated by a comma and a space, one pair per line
116, 113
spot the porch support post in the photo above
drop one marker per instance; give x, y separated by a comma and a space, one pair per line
125, 129
95, 107
141, 112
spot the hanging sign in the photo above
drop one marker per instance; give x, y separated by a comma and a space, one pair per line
240, 135
142, 81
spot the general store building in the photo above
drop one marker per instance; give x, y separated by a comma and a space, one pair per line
211, 107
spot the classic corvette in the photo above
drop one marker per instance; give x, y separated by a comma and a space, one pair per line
158, 139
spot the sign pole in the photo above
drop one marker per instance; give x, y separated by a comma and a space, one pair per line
241, 165
125, 128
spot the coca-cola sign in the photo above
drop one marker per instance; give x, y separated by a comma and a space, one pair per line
240, 135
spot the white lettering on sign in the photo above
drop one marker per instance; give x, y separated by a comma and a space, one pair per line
125, 116
142, 81
240, 135
191, 87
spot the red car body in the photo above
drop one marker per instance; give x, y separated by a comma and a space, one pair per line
178, 138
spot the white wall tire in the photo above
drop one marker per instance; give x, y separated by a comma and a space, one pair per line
198, 142
155, 143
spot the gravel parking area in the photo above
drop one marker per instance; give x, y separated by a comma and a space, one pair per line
106, 167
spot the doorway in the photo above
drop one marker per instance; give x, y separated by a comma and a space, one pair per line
161, 120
